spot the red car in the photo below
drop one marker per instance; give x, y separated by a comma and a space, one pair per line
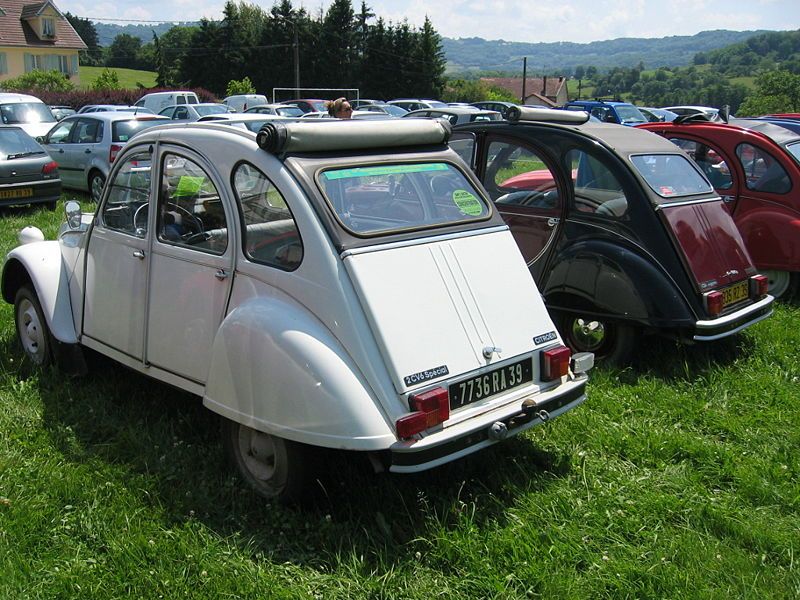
755, 166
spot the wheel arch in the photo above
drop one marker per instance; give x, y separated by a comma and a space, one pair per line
609, 280
40, 265
276, 368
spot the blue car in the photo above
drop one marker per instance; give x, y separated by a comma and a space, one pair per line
623, 113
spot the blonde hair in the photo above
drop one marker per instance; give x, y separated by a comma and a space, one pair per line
334, 106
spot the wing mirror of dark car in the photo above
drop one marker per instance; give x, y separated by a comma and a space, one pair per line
725, 113
40, 139
73, 210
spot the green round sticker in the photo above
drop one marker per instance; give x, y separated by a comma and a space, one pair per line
467, 203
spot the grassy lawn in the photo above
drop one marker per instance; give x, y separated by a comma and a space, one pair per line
678, 478
128, 78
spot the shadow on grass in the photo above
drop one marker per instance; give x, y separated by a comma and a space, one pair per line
164, 445
674, 362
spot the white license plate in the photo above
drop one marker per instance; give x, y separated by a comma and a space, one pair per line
489, 384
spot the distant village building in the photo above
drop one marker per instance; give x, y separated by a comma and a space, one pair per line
545, 91
37, 36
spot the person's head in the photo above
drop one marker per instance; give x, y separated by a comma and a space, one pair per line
340, 108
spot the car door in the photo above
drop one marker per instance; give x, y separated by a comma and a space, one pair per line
116, 263
57, 143
84, 149
717, 163
522, 182
191, 263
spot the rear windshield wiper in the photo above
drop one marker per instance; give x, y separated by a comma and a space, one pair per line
24, 154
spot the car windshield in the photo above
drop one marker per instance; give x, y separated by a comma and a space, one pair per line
210, 110
488, 116
122, 131
388, 198
394, 110
289, 111
26, 112
630, 114
794, 150
15, 143
671, 175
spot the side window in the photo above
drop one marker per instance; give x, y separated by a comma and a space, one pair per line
190, 210
709, 160
181, 113
60, 135
86, 131
597, 189
762, 171
517, 176
270, 233
125, 208
464, 145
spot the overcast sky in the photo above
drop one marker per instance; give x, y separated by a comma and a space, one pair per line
517, 20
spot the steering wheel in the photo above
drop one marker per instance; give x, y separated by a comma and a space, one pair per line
194, 224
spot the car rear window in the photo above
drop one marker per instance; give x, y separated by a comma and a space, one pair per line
122, 131
211, 110
388, 198
670, 175
15, 143
26, 112
794, 150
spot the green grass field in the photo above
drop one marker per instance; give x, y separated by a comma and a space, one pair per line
128, 78
679, 478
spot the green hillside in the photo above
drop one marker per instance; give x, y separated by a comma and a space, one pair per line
128, 78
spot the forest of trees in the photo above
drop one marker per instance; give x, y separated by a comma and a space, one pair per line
340, 48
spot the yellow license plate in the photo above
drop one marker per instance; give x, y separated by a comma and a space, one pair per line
18, 193
735, 293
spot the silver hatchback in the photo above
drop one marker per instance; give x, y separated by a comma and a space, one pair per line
85, 146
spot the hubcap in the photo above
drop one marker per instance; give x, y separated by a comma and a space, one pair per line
258, 452
778, 282
31, 333
588, 335
97, 187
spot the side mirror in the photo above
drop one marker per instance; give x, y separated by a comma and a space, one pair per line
725, 113
609, 117
40, 139
73, 211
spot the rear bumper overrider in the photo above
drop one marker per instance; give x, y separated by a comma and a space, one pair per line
470, 436
715, 329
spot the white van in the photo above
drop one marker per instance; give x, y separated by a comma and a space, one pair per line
241, 102
157, 101
30, 113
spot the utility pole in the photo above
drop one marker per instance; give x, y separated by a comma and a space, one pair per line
296, 59
524, 77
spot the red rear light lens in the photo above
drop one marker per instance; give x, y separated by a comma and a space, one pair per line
759, 285
714, 303
432, 408
555, 362
112, 153
50, 167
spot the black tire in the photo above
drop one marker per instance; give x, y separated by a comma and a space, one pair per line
276, 468
612, 342
783, 284
96, 182
32, 330
51, 206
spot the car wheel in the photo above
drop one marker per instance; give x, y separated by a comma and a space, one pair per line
782, 284
32, 330
276, 468
611, 342
96, 182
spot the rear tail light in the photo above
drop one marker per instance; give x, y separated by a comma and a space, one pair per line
714, 302
430, 408
759, 285
112, 153
50, 167
555, 362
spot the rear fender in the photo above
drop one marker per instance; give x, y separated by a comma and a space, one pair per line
608, 280
40, 263
771, 234
278, 369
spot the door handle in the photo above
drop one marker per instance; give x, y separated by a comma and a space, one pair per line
221, 274
61, 151
138, 254
87, 151
728, 199
552, 221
